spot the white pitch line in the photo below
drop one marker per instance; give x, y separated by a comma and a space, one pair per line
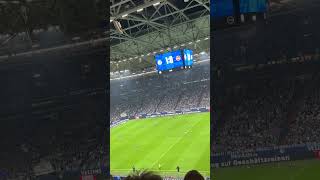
179, 139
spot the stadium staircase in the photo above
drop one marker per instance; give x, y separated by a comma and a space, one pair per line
177, 103
157, 107
222, 115
200, 98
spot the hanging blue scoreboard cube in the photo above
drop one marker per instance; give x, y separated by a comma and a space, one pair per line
174, 60
221, 8
253, 6
188, 57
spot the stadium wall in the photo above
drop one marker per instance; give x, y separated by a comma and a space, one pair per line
266, 155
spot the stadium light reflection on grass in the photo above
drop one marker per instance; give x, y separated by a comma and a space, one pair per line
161, 144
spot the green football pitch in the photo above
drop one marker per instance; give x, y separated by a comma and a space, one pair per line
168, 142
294, 170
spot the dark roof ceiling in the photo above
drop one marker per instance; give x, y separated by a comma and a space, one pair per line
160, 16
20, 20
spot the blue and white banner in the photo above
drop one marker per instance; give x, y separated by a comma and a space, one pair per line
265, 155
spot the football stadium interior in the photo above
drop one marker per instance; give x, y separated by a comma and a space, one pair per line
53, 90
267, 103
159, 113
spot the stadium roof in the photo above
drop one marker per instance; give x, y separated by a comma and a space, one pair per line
140, 28
28, 25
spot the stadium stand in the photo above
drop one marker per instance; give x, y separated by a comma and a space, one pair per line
52, 70
145, 94
45, 127
260, 108
255, 115
267, 101
305, 127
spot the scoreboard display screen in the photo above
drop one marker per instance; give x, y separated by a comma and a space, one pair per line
174, 59
222, 8
177, 59
253, 6
169, 60
188, 57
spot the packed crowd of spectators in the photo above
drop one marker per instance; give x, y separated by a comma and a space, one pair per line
69, 158
306, 127
269, 113
255, 113
180, 90
63, 153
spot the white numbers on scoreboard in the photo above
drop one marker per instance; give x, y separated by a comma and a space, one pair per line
169, 60
188, 57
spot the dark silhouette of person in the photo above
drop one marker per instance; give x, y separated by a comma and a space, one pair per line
144, 175
178, 168
193, 175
